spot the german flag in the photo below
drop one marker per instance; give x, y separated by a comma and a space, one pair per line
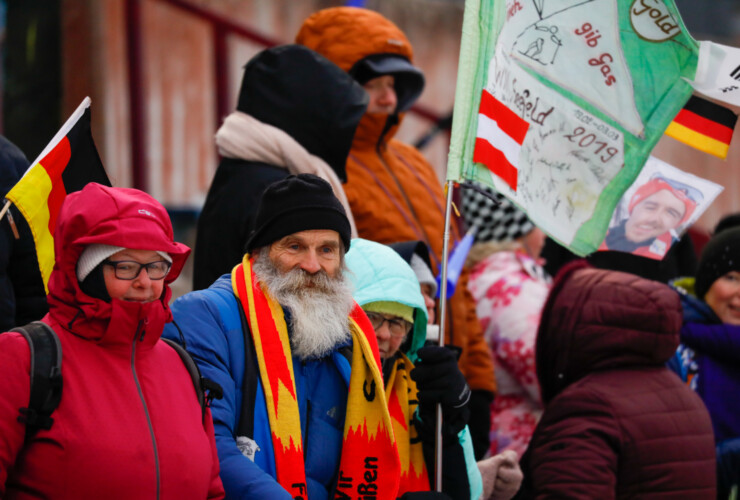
66, 165
705, 126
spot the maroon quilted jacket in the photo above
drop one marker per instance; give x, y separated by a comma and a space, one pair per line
617, 423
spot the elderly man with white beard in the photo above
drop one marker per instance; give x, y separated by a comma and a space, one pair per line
303, 413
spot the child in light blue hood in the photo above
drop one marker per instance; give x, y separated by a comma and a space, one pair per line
388, 290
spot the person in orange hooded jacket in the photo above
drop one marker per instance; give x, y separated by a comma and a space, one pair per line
392, 189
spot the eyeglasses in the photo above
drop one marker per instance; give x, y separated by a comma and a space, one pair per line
398, 327
130, 270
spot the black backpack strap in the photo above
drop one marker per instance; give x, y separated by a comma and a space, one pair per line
206, 389
249, 384
46, 376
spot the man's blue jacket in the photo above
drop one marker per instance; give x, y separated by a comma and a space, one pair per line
210, 324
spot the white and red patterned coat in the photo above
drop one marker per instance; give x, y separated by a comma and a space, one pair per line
510, 289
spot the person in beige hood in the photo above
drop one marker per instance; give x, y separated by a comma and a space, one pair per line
297, 113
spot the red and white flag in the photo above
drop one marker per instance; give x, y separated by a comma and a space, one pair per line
499, 138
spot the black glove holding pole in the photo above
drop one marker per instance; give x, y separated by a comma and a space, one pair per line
439, 380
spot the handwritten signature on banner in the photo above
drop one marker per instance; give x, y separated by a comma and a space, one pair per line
569, 153
572, 75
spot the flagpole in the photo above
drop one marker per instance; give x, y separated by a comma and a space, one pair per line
5, 209
442, 322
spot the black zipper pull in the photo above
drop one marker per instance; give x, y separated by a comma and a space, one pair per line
141, 329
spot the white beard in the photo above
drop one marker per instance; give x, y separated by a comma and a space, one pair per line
319, 306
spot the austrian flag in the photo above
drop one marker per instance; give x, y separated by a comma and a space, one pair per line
499, 139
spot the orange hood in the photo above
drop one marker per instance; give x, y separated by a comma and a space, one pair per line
346, 35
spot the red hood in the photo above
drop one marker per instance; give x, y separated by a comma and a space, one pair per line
122, 217
600, 320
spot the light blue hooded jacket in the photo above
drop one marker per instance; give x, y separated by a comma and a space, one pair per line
378, 273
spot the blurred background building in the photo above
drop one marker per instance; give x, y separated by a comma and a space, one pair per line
162, 74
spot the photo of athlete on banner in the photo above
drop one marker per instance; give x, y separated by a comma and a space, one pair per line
657, 209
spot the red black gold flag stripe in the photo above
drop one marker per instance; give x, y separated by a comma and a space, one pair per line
705, 126
67, 164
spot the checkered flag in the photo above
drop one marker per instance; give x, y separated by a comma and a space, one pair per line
494, 216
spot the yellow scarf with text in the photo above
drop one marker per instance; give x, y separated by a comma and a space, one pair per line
369, 464
400, 392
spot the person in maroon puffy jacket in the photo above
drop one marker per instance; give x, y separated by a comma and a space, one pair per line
617, 422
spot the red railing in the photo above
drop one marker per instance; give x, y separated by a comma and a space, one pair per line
222, 28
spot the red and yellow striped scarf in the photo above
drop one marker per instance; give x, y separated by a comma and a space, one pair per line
369, 464
401, 394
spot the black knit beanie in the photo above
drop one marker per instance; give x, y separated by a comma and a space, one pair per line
298, 203
726, 222
720, 256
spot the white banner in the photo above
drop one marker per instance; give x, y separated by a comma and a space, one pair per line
718, 72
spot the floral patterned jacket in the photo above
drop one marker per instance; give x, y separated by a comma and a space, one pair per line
509, 289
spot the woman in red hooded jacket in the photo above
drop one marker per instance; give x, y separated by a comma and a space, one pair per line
129, 424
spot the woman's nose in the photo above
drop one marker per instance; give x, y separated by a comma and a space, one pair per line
143, 278
383, 332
